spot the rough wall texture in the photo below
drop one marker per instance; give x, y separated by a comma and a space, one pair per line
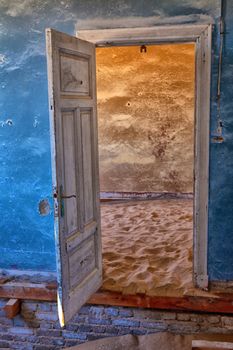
26, 236
37, 327
146, 118
221, 166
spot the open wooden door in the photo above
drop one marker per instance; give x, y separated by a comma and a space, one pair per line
73, 124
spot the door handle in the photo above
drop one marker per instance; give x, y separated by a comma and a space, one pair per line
66, 197
61, 199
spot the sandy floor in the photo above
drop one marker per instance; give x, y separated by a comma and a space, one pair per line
147, 246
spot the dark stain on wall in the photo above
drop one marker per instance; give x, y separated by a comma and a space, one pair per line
44, 207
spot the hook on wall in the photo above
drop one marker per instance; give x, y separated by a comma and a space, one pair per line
143, 48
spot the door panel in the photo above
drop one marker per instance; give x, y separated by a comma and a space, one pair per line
82, 259
73, 119
75, 74
70, 182
86, 126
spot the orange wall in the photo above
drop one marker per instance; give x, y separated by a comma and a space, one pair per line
146, 118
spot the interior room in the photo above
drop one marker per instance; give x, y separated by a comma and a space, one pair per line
52, 295
146, 98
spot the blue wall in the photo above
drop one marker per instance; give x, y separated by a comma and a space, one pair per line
26, 236
220, 257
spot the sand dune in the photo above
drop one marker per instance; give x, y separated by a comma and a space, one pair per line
147, 246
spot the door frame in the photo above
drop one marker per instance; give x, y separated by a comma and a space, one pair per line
201, 36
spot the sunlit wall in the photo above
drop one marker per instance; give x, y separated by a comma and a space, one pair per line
146, 117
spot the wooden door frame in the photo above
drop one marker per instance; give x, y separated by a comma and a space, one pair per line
201, 36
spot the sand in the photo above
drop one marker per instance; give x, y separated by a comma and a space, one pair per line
147, 246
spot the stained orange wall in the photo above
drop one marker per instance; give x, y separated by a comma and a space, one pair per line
146, 118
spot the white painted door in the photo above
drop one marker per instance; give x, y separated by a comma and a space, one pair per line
73, 125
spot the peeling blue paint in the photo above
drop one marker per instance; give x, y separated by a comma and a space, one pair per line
220, 250
27, 240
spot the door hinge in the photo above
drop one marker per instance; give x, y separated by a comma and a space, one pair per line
204, 56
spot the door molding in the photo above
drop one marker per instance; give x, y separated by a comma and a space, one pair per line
201, 35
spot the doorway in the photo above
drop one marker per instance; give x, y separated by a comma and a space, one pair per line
146, 110
74, 150
201, 37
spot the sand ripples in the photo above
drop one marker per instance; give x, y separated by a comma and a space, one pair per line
147, 247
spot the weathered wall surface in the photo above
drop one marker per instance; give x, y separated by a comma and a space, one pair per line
37, 327
220, 252
27, 237
146, 118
